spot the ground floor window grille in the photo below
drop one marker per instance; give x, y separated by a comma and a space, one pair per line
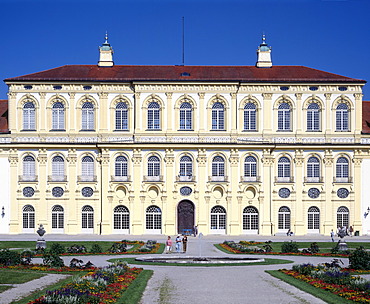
284, 218
57, 217
250, 218
121, 218
313, 219
343, 217
28, 218
87, 217
153, 218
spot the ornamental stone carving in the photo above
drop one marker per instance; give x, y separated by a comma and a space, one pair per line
267, 95
13, 159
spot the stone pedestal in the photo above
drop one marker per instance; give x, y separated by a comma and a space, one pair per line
342, 245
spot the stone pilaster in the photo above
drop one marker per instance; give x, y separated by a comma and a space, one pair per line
169, 207
103, 112
328, 114
267, 112
267, 184
170, 118
73, 224
328, 187
357, 160
15, 223
233, 208
72, 112
137, 222
201, 207
202, 113
41, 119
42, 205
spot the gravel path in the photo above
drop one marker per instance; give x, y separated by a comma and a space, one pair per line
20, 291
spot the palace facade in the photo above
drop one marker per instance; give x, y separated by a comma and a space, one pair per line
118, 149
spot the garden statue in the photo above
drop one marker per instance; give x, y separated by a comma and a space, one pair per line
41, 243
342, 232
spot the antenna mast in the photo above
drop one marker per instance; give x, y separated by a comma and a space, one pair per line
183, 40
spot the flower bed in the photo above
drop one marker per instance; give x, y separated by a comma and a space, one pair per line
251, 251
103, 285
40, 267
337, 281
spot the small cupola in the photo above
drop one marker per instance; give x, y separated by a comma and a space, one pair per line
106, 54
264, 55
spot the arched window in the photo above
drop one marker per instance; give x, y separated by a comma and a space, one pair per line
218, 220
250, 168
121, 218
186, 116
218, 116
342, 170
313, 117
313, 169
153, 116
87, 218
29, 119
121, 116
57, 168
29, 168
284, 218
186, 167
284, 117
120, 166
58, 116
28, 218
88, 116
250, 118
87, 168
57, 218
153, 219
250, 219
284, 169
313, 220
218, 168
341, 117
343, 217
154, 166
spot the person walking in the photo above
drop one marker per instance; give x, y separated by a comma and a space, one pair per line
168, 245
332, 235
350, 230
184, 243
178, 244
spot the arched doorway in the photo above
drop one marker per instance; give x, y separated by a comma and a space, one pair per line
185, 216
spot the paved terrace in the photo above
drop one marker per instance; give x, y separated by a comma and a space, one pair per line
229, 284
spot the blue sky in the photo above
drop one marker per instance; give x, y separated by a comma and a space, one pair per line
330, 35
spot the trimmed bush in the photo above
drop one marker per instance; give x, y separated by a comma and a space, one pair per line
96, 248
9, 258
360, 259
52, 260
288, 247
57, 248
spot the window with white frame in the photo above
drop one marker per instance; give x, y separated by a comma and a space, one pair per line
57, 167
186, 166
313, 117
154, 166
29, 167
88, 116
121, 116
153, 217
154, 116
58, 116
218, 116
343, 217
57, 217
87, 219
121, 166
250, 218
250, 166
342, 169
313, 169
250, 117
87, 166
284, 218
29, 116
186, 116
284, 117
284, 167
121, 218
342, 117
218, 218
28, 217
218, 166
313, 219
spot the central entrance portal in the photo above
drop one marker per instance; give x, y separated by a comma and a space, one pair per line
185, 217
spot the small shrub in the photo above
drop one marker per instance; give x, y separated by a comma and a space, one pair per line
57, 248
288, 247
314, 248
26, 257
96, 248
52, 260
76, 249
360, 259
9, 258
267, 248
118, 247
144, 249
304, 269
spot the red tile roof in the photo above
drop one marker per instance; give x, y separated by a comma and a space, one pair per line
124, 73
3, 116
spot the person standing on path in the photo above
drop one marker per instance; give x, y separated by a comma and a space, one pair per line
350, 230
184, 243
332, 235
178, 244
168, 245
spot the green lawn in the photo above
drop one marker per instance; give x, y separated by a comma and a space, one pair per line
135, 291
3, 288
8, 276
266, 262
324, 295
